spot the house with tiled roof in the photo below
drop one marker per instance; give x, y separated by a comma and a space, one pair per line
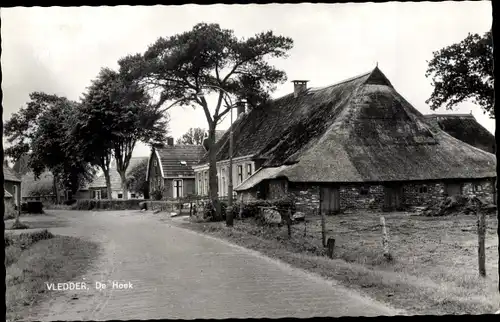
97, 188
466, 128
11, 185
170, 169
354, 144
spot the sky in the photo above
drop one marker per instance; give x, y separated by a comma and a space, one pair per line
59, 50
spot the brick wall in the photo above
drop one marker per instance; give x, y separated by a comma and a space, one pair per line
277, 189
246, 196
306, 196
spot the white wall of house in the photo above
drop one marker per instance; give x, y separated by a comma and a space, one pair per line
243, 168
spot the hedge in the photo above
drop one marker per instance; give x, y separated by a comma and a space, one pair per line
95, 204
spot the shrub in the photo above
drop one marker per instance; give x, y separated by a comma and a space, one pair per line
118, 204
24, 240
10, 211
252, 209
157, 195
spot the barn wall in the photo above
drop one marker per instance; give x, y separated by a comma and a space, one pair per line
414, 195
482, 189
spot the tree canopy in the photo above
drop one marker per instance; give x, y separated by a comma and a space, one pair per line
206, 60
194, 136
137, 179
42, 130
463, 71
115, 114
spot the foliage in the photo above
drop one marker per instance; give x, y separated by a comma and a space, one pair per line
115, 114
157, 194
194, 136
463, 71
25, 240
114, 204
42, 130
136, 179
10, 210
252, 208
205, 60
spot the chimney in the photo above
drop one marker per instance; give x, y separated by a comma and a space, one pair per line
241, 107
170, 141
299, 86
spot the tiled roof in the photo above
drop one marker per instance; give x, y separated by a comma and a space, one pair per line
179, 159
10, 175
114, 176
359, 130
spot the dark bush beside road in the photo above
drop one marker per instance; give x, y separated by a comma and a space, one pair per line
96, 204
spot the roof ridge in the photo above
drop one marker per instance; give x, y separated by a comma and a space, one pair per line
341, 82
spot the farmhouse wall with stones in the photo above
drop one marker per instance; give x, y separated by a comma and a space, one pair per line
422, 194
483, 189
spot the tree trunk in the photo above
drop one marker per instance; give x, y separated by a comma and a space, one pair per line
108, 183
212, 174
56, 189
123, 177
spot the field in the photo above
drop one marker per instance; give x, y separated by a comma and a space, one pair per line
434, 268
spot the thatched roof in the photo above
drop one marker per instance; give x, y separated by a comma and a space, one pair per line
359, 130
114, 176
10, 175
466, 128
178, 160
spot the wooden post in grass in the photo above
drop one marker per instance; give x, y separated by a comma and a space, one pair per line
289, 222
330, 245
481, 232
323, 227
385, 239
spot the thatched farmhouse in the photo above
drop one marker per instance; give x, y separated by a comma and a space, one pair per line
170, 169
466, 128
356, 144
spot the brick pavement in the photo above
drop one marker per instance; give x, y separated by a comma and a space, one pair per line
178, 273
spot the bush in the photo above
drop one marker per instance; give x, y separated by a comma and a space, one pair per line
25, 240
119, 204
10, 211
157, 195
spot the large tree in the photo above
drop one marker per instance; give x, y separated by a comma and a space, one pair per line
42, 130
116, 113
463, 71
193, 136
189, 66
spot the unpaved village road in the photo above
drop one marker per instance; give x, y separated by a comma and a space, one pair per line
177, 273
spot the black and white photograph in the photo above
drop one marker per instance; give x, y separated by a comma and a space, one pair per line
272, 160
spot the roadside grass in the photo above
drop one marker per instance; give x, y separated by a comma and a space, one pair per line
38, 221
32, 259
434, 270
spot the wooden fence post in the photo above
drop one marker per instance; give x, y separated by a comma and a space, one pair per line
481, 231
323, 228
331, 246
385, 239
289, 222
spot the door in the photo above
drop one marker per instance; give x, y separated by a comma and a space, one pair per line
329, 200
393, 197
453, 189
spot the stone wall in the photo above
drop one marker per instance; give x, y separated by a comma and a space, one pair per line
306, 196
277, 189
422, 194
482, 189
361, 196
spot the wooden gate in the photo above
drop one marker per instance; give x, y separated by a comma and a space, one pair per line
393, 197
329, 200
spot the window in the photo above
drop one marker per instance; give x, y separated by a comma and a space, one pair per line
120, 195
423, 189
15, 196
199, 185
205, 183
364, 190
177, 185
240, 174
478, 188
249, 170
132, 195
158, 181
155, 163
223, 186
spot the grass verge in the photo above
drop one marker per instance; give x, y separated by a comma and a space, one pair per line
429, 275
40, 257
